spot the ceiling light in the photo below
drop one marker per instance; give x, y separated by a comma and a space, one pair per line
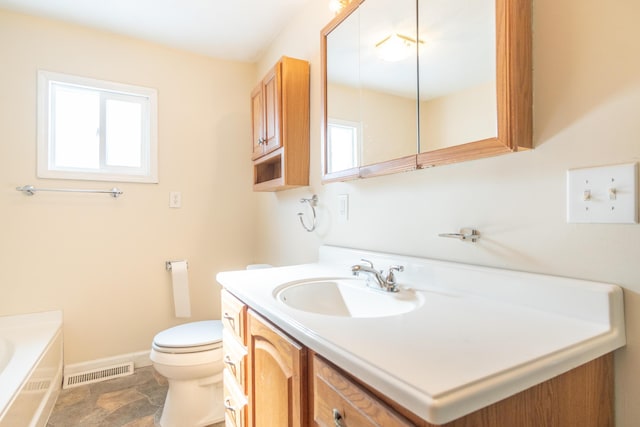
337, 5
396, 47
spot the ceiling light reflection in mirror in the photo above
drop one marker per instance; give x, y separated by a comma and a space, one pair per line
336, 6
396, 47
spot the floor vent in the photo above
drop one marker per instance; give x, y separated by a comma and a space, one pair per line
97, 375
36, 385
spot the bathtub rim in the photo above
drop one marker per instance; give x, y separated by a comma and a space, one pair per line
22, 369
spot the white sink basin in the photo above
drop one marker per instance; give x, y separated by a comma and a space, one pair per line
346, 298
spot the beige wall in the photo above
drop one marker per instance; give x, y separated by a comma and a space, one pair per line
101, 260
586, 113
459, 117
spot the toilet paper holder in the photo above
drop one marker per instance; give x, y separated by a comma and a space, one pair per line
167, 264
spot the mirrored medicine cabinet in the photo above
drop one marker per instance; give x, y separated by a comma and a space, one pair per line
411, 84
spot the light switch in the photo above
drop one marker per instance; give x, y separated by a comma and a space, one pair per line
606, 194
343, 207
175, 199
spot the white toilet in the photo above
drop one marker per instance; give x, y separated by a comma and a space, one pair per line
190, 357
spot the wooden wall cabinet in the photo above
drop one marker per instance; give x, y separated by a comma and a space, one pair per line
280, 118
501, 61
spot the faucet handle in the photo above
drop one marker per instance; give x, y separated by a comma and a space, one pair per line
399, 268
391, 277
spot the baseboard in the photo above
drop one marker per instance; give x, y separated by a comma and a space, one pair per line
139, 359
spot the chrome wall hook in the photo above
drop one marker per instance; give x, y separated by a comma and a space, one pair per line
465, 234
312, 202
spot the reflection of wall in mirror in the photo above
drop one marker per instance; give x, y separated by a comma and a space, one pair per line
465, 116
388, 121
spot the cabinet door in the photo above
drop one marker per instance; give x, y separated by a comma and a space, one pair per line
273, 106
277, 371
258, 119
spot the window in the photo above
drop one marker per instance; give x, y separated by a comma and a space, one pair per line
343, 148
96, 130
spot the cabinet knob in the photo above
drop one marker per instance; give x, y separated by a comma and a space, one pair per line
260, 141
337, 418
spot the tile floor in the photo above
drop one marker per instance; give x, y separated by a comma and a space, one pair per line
132, 401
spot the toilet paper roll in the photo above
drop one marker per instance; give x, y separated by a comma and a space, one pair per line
180, 279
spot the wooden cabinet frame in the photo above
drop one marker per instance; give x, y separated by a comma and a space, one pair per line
514, 95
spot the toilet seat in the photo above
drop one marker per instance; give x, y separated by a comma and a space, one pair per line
189, 338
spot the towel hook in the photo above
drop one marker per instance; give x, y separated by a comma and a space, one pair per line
465, 234
313, 201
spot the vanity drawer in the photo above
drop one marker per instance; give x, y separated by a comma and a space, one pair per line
235, 358
234, 316
235, 403
337, 400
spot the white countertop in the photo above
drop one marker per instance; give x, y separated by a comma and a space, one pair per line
481, 335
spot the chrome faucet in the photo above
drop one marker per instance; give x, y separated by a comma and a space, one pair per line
388, 283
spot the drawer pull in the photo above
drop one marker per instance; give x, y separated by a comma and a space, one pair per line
230, 318
228, 361
337, 418
231, 363
228, 406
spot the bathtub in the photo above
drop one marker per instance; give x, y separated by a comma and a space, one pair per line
30, 367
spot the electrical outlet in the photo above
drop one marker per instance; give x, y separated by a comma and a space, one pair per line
606, 194
175, 199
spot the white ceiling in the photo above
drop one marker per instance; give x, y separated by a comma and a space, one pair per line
242, 30
231, 29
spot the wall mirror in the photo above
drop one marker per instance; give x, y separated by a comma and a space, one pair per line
417, 83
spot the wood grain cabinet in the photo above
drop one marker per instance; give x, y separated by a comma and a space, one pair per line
277, 376
234, 320
266, 111
280, 117
581, 397
339, 401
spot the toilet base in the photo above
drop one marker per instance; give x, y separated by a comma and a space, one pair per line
193, 403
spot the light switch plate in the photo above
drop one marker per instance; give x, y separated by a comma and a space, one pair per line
343, 207
606, 194
175, 199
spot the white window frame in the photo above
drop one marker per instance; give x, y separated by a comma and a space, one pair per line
356, 147
147, 173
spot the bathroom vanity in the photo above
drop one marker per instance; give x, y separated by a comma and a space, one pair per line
458, 345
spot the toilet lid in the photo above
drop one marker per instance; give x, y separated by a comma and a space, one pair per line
188, 335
